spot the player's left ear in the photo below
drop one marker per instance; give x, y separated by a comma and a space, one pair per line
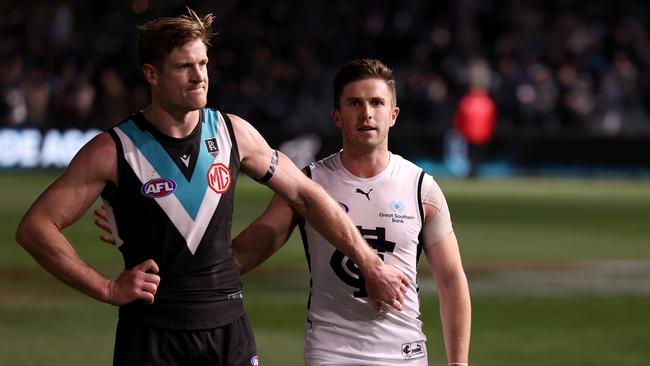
336, 116
393, 116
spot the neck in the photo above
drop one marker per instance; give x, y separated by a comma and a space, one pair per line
179, 124
365, 164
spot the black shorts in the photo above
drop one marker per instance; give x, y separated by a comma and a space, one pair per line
230, 345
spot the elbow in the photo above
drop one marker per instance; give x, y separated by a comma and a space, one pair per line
23, 233
241, 265
452, 279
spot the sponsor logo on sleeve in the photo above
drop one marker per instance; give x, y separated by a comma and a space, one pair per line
158, 187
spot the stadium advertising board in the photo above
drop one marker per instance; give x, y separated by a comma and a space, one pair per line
33, 148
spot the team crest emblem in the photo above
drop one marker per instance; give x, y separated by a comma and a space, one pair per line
219, 178
211, 145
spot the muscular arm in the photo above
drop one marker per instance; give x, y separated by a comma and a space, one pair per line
61, 205
383, 282
455, 306
264, 236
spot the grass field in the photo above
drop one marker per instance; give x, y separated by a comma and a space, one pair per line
559, 272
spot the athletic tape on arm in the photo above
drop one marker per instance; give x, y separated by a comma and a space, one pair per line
272, 167
439, 226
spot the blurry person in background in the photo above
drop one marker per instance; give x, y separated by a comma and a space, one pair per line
475, 117
167, 175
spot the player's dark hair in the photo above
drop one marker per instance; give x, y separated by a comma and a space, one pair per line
158, 38
362, 69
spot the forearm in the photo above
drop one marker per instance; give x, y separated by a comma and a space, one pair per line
52, 251
254, 245
327, 217
456, 315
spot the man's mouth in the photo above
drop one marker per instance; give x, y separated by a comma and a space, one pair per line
366, 128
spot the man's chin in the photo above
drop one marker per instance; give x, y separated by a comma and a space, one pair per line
198, 104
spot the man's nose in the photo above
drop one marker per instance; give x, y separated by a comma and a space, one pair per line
366, 111
196, 75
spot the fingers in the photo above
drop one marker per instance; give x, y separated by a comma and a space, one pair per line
405, 280
107, 239
148, 266
139, 283
149, 287
101, 213
147, 297
103, 225
397, 304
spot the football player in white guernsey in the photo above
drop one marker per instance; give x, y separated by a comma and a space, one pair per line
400, 211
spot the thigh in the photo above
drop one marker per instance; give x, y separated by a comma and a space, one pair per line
141, 345
236, 343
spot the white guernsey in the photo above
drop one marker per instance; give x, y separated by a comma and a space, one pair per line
342, 329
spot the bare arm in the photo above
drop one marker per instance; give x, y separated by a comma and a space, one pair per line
264, 236
384, 283
455, 305
61, 205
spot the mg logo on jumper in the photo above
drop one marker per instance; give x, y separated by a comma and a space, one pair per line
158, 187
219, 178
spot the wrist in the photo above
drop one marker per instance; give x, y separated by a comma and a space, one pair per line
108, 292
369, 264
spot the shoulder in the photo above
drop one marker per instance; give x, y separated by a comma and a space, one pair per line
329, 163
242, 129
98, 158
98, 145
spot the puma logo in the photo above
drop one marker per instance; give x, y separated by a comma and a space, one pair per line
364, 193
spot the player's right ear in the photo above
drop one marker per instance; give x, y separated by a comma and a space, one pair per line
150, 73
336, 116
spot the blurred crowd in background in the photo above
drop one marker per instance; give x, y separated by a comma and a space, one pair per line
552, 67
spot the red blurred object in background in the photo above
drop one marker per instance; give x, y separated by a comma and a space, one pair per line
475, 117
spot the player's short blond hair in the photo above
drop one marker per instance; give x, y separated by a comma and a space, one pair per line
361, 69
159, 37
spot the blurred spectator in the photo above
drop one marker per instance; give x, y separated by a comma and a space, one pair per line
475, 117
557, 68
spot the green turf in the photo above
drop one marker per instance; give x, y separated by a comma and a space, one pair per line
500, 223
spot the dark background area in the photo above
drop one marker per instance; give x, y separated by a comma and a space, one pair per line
569, 78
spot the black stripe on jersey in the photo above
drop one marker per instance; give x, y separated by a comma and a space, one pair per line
305, 242
421, 208
110, 189
305, 245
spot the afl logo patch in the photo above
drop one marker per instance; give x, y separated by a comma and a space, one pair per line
219, 178
158, 187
